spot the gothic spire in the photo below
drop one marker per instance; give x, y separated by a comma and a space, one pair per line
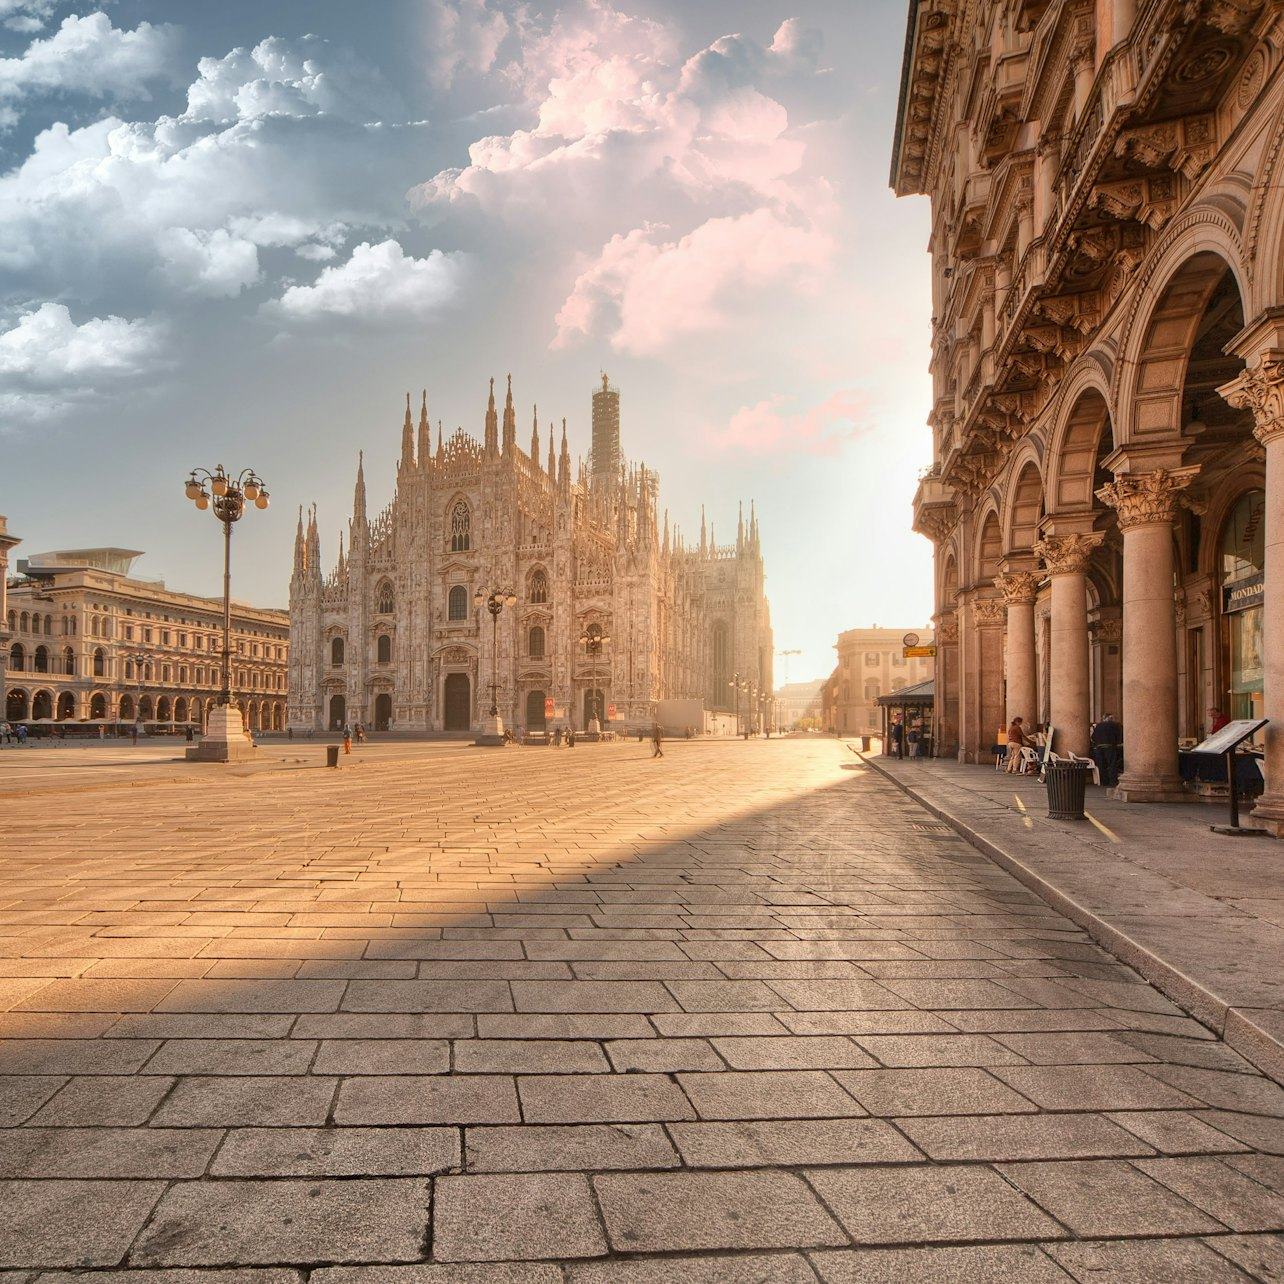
535, 437
740, 529
407, 441
300, 548
441, 450
552, 459
492, 422
564, 461
359, 492
425, 432
510, 421
704, 543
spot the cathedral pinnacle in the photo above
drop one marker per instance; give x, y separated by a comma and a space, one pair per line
300, 548
425, 432
359, 491
407, 440
564, 461
492, 422
535, 436
510, 421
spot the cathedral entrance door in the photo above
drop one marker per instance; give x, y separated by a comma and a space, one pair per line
593, 706
383, 712
535, 711
338, 712
458, 703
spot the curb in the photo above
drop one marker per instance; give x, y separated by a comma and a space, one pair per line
1235, 1027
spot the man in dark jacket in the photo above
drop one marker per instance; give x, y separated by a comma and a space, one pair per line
1107, 739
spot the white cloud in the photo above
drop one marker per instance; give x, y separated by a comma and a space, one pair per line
630, 139
215, 264
48, 362
90, 56
462, 37
658, 293
772, 426
377, 284
26, 15
264, 156
290, 78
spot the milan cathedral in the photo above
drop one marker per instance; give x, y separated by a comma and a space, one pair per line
393, 636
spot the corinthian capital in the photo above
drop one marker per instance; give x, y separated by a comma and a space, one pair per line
1068, 554
1261, 390
1139, 498
1018, 587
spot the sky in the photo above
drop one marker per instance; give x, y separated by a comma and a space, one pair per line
240, 233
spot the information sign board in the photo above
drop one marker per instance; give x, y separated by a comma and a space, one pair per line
918, 652
1230, 735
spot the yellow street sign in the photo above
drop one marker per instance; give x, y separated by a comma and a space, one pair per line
919, 652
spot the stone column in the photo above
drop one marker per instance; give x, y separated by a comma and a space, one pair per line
1019, 590
1066, 557
1261, 390
990, 618
1146, 504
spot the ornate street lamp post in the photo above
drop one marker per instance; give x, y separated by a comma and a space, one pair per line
137, 658
735, 684
593, 640
494, 601
225, 739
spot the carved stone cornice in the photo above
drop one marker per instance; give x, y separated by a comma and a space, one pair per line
1068, 554
989, 611
947, 631
1141, 498
936, 521
1261, 389
1019, 588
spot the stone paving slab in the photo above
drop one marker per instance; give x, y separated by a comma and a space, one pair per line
747, 1013
1195, 912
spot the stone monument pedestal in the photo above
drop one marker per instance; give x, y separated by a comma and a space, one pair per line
224, 739
491, 735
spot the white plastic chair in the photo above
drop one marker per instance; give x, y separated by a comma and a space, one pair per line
1089, 762
1029, 760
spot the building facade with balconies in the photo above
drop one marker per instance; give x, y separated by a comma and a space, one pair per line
1106, 496
91, 643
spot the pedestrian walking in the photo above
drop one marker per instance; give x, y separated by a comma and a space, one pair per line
22, 734
347, 738
570, 737
557, 736
657, 741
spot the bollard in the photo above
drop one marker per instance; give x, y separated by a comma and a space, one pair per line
332, 755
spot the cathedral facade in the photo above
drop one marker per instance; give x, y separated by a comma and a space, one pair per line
392, 635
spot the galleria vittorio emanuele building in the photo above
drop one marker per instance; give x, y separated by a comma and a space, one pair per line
1106, 495
393, 637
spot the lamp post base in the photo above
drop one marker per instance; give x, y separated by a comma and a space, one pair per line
224, 739
491, 734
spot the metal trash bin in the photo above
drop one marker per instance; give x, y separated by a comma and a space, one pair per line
864, 744
1067, 784
332, 755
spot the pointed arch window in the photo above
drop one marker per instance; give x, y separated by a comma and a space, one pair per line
336, 650
461, 522
385, 601
383, 649
457, 603
537, 643
538, 586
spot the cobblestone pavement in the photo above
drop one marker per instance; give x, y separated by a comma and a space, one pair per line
745, 1013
